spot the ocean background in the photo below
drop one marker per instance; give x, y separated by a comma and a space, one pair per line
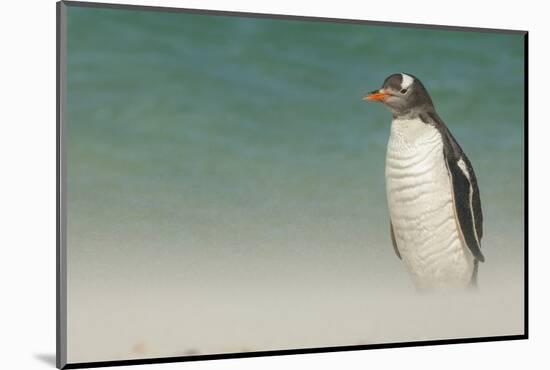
226, 183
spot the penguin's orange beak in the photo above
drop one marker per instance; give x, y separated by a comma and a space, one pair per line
376, 95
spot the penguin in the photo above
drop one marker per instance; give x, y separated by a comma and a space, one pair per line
436, 222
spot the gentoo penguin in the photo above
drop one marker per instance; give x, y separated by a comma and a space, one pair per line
433, 197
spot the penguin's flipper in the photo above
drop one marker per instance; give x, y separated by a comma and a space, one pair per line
466, 199
467, 203
394, 242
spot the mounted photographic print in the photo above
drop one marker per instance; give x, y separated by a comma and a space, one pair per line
234, 184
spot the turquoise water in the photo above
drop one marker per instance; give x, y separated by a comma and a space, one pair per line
235, 155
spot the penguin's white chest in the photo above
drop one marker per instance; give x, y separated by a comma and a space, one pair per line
420, 201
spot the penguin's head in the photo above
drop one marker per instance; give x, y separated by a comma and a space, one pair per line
403, 94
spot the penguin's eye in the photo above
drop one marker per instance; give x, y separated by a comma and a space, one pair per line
403, 91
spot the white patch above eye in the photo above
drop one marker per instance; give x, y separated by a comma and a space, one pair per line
406, 81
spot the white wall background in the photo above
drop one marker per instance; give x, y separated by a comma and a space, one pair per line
27, 185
